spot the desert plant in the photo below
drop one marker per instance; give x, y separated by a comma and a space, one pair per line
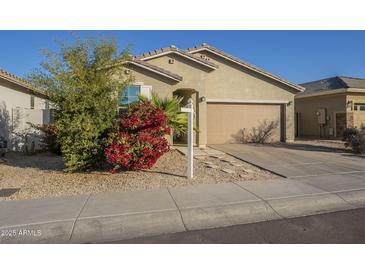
84, 81
348, 134
260, 134
177, 121
355, 139
140, 141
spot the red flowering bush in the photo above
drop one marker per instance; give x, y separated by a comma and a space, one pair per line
141, 140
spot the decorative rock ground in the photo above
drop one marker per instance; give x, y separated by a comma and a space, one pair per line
199, 157
226, 170
225, 160
216, 157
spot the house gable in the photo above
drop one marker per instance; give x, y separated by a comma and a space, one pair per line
193, 74
232, 81
174, 50
207, 52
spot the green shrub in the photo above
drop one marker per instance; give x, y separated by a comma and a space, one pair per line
83, 81
348, 134
49, 138
355, 139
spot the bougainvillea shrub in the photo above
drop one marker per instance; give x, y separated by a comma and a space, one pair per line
141, 140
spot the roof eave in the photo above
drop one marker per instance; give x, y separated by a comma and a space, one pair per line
22, 84
322, 93
175, 78
211, 66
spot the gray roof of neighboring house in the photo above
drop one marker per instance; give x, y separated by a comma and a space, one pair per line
20, 82
245, 64
173, 48
156, 69
333, 83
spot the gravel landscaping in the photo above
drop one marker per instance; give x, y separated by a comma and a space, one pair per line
41, 175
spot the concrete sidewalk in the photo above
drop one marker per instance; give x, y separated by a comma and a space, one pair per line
125, 215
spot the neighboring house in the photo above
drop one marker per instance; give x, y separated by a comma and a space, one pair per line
229, 94
21, 103
328, 106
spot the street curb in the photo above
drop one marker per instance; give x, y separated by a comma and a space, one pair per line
102, 229
150, 223
227, 215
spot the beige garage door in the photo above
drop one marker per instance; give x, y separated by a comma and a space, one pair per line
226, 122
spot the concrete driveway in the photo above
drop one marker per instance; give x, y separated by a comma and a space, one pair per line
297, 160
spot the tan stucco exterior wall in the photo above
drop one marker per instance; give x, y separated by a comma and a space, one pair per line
231, 81
194, 76
359, 116
307, 107
228, 81
15, 110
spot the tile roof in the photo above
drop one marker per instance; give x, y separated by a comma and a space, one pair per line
21, 82
205, 46
155, 68
173, 48
333, 83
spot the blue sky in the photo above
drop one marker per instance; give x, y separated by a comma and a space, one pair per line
298, 56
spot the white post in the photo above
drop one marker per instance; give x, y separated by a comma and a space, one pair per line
190, 138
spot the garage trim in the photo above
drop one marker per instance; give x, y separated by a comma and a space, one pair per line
239, 101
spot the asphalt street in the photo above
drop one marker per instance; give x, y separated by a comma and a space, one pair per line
346, 227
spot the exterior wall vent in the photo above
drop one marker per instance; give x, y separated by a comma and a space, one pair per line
204, 57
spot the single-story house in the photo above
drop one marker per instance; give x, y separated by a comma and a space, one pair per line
20, 103
231, 97
328, 106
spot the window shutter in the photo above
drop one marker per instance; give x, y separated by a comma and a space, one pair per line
146, 91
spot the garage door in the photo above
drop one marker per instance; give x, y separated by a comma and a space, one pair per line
225, 122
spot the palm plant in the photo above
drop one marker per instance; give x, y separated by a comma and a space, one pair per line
177, 121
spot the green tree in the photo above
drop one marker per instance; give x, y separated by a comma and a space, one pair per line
83, 81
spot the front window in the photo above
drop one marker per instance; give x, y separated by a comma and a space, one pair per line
359, 106
130, 95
